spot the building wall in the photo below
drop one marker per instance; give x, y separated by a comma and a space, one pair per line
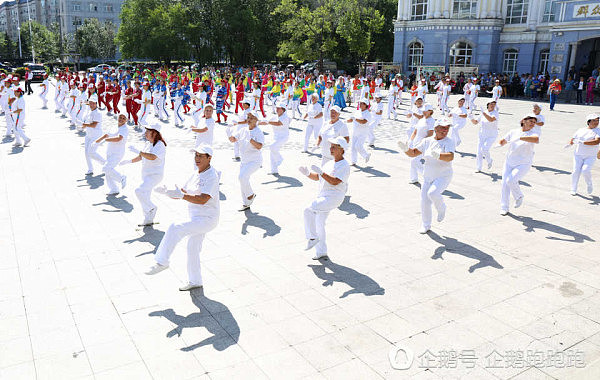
490, 35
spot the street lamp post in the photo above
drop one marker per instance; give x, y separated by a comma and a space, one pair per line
19, 34
30, 33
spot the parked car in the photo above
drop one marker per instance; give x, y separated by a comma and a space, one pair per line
125, 67
5, 67
37, 70
99, 68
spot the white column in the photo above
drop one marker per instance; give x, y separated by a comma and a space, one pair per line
431, 8
437, 13
497, 9
483, 11
533, 13
447, 8
407, 9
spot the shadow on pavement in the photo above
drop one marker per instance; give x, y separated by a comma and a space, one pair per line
452, 245
287, 181
151, 236
93, 181
353, 209
533, 224
373, 172
222, 324
119, 204
264, 223
360, 283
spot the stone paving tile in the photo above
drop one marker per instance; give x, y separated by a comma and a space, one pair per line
74, 301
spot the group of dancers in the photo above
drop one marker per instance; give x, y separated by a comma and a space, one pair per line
430, 143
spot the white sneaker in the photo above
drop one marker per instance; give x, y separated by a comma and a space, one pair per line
519, 202
189, 287
89, 172
244, 208
156, 268
368, 158
590, 187
149, 217
573, 192
27, 142
424, 230
251, 200
490, 164
17, 144
503, 212
320, 256
123, 181
441, 214
311, 243
413, 181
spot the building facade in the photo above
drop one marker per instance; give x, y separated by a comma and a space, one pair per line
500, 36
68, 14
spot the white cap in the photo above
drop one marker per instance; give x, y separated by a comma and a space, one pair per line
247, 100
336, 109
537, 105
530, 116
203, 149
154, 126
281, 104
93, 98
427, 107
364, 100
443, 122
253, 113
592, 116
339, 141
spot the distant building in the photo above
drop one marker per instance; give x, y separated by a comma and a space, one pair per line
502, 36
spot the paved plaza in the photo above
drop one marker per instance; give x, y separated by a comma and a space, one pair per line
481, 296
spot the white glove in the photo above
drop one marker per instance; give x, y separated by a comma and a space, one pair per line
175, 194
133, 149
435, 154
578, 141
567, 146
316, 169
161, 189
125, 162
304, 170
403, 145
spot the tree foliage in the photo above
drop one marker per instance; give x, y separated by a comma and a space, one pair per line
43, 40
95, 39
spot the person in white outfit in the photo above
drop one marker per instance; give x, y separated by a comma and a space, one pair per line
205, 127
18, 116
496, 93
145, 103
541, 120
586, 142
45, 85
201, 191
333, 184
360, 131
458, 116
281, 133
467, 93
475, 88
314, 113
446, 88
519, 158
332, 129
392, 95
422, 89
438, 151
414, 114
153, 168
251, 141
377, 113
327, 100
488, 132
114, 154
93, 130
423, 129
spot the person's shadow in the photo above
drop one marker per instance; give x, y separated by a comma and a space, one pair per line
222, 324
285, 181
93, 181
594, 200
353, 208
386, 150
532, 224
452, 195
465, 154
452, 245
119, 204
360, 283
151, 236
372, 171
552, 170
497, 177
267, 224
16, 149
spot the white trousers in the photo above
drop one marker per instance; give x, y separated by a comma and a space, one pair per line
444, 104
246, 170
20, 136
391, 109
431, 194
510, 183
10, 123
144, 111
582, 165
313, 127
112, 176
374, 124
315, 217
144, 191
359, 136
455, 135
295, 108
195, 229
416, 168
177, 113
43, 97
276, 157
483, 149
91, 153
472, 104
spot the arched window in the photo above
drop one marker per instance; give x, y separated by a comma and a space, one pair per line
461, 54
516, 11
509, 63
418, 9
415, 55
464, 9
544, 59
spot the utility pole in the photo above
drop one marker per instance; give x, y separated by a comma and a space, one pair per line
30, 33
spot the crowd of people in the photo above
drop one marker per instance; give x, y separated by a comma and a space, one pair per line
256, 100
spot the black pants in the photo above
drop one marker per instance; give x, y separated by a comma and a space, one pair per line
579, 96
28, 87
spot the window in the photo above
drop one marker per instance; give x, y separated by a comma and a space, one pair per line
93, 7
544, 59
77, 21
108, 8
461, 54
418, 10
415, 55
516, 11
464, 9
76, 7
509, 64
550, 8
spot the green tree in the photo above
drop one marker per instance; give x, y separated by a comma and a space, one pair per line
383, 47
95, 39
43, 40
7, 47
